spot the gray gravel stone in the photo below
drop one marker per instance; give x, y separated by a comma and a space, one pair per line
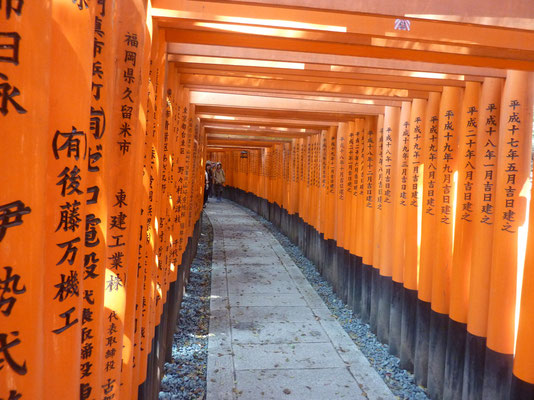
185, 376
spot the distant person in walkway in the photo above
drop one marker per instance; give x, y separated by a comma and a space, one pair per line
209, 168
219, 178
207, 184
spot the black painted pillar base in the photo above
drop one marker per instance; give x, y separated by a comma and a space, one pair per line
454, 360
408, 334
497, 375
365, 290
422, 333
475, 358
395, 319
439, 326
374, 299
384, 307
521, 390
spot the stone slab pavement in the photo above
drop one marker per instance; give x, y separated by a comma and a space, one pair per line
271, 336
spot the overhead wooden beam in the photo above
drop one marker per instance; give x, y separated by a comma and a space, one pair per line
288, 132
288, 94
249, 137
193, 80
253, 132
323, 79
188, 64
292, 41
335, 61
281, 105
264, 121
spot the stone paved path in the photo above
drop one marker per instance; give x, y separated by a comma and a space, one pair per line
271, 336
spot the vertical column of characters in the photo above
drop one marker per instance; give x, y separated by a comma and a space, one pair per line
143, 238
391, 140
368, 290
323, 157
361, 188
287, 176
415, 171
150, 181
298, 182
317, 181
356, 227
196, 163
175, 258
401, 199
340, 182
369, 179
365, 271
391, 123
125, 149
300, 167
276, 171
70, 101
165, 185
463, 235
271, 171
309, 177
101, 114
190, 167
379, 191
129, 372
331, 183
429, 219
260, 173
349, 186
511, 200
399, 239
446, 184
181, 161
428, 241
369, 189
413, 232
309, 184
155, 302
24, 48
483, 218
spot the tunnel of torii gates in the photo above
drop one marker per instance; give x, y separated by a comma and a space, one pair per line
390, 139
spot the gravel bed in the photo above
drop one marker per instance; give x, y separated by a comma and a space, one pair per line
185, 376
400, 381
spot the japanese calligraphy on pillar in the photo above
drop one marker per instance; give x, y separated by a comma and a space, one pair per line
380, 169
388, 164
121, 248
358, 154
431, 142
447, 152
490, 137
468, 146
342, 161
369, 167
511, 152
69, 148
94, 254
404, 159
332, 164
350, 160
415, 159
